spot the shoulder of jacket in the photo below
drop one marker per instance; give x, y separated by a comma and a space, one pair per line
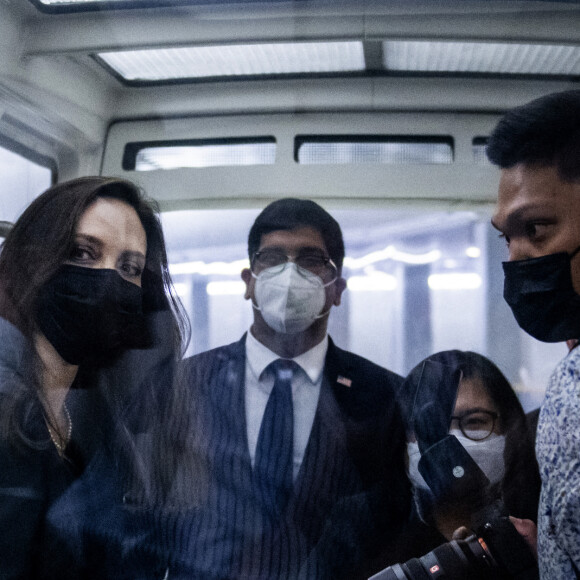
359, 365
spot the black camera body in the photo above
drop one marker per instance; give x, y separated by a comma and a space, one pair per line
496, 550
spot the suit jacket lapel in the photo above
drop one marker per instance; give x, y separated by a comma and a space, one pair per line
326, 460
228, 417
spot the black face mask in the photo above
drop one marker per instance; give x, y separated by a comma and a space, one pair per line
91, 314
542, 297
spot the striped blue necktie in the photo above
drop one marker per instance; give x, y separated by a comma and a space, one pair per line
274, 452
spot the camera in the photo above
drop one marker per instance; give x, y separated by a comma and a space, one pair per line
495, 552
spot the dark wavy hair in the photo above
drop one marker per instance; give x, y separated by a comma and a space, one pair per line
543, 132
521, 468
42, 240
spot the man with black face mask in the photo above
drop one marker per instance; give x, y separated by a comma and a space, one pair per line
538, 213
304, 442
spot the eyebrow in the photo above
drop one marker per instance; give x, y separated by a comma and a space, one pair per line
89, 238
97, 242
470, 410
520, 214
300, 250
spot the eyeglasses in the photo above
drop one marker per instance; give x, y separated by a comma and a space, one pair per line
318, 264
476, 425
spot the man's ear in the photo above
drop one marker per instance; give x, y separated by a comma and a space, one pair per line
339, 288
247, 278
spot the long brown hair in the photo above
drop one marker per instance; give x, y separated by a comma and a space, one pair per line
42, 240
43, 237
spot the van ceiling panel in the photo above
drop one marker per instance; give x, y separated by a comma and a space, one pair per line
236, 60
481, 57
48, 70
464, 181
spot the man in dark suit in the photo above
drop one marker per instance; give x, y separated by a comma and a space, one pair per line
303, 440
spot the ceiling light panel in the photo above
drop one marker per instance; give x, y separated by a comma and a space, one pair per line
236, 60
481, 57
171, 157
386, 151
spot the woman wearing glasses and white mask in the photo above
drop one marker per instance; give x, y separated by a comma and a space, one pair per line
489, 422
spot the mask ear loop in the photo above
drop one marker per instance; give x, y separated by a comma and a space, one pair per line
573, 254
327, 312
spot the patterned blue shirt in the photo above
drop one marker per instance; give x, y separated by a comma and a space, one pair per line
558, 453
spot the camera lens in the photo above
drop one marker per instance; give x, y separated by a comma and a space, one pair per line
456, 560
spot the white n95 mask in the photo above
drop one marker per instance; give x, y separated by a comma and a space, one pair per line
487, 453
291, 299
413, 468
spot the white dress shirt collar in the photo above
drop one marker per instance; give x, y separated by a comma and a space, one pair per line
260, 356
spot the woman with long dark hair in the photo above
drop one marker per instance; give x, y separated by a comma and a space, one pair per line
490, 423
89, 334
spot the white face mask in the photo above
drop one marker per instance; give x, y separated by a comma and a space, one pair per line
488, 454
289, 300
413, 469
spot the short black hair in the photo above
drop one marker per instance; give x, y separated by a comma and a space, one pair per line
544, 132
291, 213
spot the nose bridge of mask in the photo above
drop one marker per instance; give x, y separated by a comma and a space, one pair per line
111, 288
103, 285
291, 276
83, 281
288, 268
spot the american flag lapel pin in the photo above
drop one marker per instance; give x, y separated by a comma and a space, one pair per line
344, 381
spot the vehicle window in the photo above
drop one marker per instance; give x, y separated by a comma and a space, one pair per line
418, 282
22, 181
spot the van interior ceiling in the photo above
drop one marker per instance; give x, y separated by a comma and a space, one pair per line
379, 110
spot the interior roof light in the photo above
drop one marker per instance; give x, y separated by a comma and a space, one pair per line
175, 157
481, 57
235, 60
387, 151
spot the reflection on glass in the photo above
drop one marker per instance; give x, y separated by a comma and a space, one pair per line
176, 157
236, 60
22, 181
481, 57
418, 282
